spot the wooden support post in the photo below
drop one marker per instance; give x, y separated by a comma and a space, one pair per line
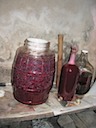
59, 59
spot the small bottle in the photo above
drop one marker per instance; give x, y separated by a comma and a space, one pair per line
68, 78
86, 73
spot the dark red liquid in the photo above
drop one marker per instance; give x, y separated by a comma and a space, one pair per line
68, 79
33, 78
84, 82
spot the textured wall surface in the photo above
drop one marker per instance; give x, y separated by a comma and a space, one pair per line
19, 19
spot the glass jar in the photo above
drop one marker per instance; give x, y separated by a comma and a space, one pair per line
33, 71
86, 73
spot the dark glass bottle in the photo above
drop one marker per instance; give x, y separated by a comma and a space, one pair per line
33, 72
86, 73
68, 78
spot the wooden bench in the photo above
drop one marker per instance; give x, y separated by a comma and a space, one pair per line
12, 110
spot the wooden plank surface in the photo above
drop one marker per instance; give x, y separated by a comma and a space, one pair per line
78, 122
86, 119
12, 110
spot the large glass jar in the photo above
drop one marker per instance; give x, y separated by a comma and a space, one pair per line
33, 71
86, 73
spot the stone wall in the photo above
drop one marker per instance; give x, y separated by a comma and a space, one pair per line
19, 19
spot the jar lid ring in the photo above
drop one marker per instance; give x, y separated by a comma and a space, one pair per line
85, 51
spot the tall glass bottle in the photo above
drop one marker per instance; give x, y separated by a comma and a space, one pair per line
69, 77
86, 73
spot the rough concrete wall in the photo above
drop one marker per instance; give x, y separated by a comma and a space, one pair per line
19, 19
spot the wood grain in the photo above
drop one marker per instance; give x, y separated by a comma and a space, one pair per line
12, 110
59, 59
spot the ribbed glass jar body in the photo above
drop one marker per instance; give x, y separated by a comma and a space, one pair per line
33, 72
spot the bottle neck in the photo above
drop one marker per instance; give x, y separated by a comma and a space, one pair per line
83, 60
72, 58
84, 56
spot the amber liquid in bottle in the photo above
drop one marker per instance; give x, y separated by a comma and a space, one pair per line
68, 78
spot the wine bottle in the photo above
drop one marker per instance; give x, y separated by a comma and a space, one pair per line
86, 73
69, 77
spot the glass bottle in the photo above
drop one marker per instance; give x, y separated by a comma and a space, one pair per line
68, 78
86, 73
33, 72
